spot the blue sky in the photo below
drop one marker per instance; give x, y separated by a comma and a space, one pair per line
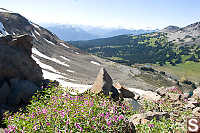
109, 13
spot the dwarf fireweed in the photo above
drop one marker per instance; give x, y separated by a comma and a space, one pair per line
55, 110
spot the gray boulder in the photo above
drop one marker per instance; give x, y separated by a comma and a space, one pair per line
22, 90
104, 83
16, 61
19, 73
4, 92
134, 103
123, 91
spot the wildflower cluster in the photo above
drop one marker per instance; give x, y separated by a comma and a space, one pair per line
58, 111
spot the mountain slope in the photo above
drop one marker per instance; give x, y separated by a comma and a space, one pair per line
130, 49
172, 45
170, 28
186, 35
63, 62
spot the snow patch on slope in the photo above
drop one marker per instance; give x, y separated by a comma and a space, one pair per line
44, 66
34, 36
49, 41
65, 58
54, 76
4, 10
96, 63
49, 75
35, 51
59, 62
80, 88
64, 45
2, 29
36, 32
70, 71
34, 25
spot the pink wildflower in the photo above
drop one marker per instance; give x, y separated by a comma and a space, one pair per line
115, 118
86, 102
151, 125
91, 103
78, 126
32, 116
6, 130
107, 115
121, 117
48, 124
104, 103
185, 100
44, 111
67, 122
93, 118
11, 128
101, 115
35, 128
109, 123
62, 113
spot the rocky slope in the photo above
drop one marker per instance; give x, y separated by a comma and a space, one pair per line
170, 28
186, 35
63, 62
154, 107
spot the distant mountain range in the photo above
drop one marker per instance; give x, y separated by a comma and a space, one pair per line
81, 32
69, 32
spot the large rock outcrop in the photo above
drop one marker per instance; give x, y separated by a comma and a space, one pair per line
20, 75
104, 83
16, 61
